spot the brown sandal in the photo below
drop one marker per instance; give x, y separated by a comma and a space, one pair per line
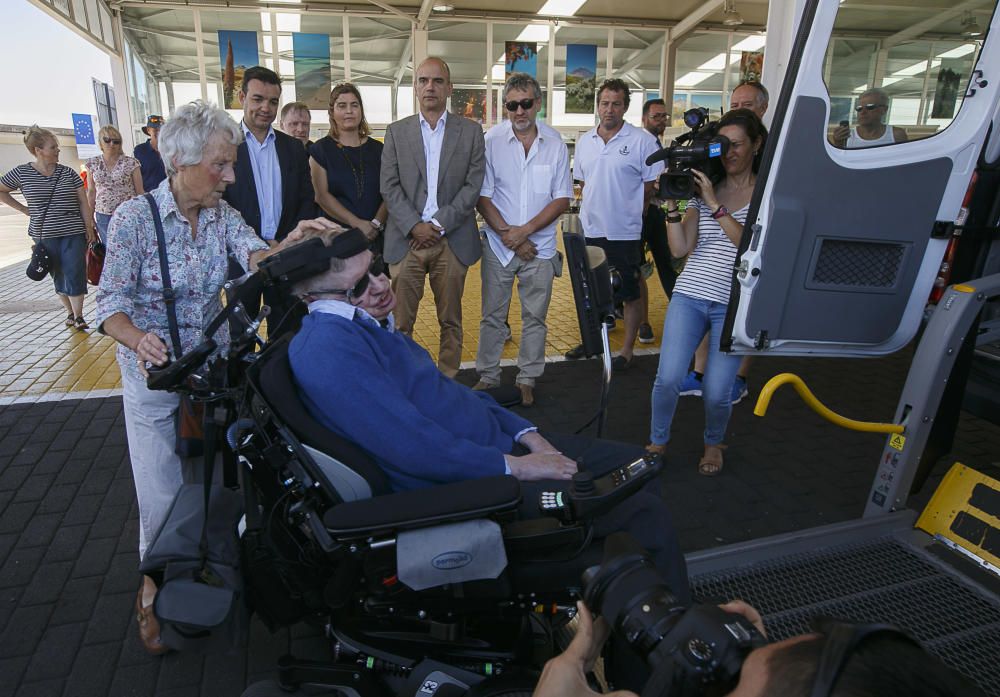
149, 628
654, 449
710, 464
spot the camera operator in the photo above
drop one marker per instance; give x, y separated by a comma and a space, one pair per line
850, 660
710, 233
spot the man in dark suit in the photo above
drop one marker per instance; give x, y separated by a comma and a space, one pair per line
273, 190
432, 170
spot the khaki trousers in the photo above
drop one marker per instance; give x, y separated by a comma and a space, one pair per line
534, 287
447, 277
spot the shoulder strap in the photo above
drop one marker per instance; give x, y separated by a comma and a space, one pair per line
45, 211
169, 296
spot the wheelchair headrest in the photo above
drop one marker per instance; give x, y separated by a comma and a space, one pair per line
271, 378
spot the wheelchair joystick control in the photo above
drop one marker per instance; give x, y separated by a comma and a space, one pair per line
583, 483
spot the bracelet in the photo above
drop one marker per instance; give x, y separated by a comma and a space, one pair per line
720, 212
676, 218
672, 211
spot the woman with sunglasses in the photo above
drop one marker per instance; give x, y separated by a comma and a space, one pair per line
114, 178
346, 165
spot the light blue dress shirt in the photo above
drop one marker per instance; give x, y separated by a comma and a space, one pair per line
267, 177
433, 139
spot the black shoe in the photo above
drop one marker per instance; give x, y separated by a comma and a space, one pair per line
575, 352
620, 364
646, 334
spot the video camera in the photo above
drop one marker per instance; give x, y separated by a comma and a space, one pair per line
696, 650
703, 152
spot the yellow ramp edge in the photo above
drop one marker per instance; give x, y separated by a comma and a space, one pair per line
965, 509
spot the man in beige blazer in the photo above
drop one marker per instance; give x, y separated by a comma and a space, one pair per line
432, 170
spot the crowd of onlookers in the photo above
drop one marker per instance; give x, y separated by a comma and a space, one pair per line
206, 198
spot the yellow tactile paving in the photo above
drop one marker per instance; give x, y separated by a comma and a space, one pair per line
42, 358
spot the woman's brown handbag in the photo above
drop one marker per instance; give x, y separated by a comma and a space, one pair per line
95, 262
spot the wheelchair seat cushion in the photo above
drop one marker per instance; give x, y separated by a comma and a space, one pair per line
474, 498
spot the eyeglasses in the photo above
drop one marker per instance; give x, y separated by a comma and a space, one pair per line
112, 141
525, 104
658, 117
375, 269
867, 107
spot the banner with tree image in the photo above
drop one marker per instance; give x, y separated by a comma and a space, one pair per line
237, 52
581, 78
520, 57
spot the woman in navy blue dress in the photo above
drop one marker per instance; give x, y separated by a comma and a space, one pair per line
345, 167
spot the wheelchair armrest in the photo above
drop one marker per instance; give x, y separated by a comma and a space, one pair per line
474, 498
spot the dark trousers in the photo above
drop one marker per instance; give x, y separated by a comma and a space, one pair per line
643, 515
654, 234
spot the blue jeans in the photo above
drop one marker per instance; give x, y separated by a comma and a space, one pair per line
69, 263
102, 226
686, 322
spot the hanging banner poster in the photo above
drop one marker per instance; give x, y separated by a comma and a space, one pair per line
237, 52
946, 90
311, 53
751, 66
85, 130
520, 57
581, 78
470, 103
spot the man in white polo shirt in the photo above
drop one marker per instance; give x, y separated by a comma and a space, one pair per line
526, 188
610, 161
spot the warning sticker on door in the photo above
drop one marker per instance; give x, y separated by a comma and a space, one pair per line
896, 441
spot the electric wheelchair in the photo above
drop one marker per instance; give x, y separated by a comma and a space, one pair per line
442, 591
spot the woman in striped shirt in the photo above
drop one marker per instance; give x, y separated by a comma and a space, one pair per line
709, 232
60, 217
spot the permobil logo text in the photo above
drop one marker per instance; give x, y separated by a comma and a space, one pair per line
451, 560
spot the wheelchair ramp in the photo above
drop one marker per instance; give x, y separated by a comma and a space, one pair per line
894, 575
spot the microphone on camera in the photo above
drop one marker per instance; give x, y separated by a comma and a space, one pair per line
661, 154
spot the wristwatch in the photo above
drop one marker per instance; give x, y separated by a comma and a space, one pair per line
720, 212
377, 224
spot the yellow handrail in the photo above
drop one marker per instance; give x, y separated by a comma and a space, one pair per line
764, 400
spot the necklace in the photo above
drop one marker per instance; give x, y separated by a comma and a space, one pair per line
358, 172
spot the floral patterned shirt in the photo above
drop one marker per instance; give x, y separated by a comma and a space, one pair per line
131, 281
114, 186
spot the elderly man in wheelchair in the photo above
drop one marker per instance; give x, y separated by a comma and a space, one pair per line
438, 537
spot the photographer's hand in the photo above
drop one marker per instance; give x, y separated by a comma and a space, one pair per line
706, 189
740, 607
566, 674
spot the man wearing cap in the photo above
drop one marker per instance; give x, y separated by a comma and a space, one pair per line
148, 154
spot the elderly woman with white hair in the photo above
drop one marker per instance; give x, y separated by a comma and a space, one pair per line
198, 146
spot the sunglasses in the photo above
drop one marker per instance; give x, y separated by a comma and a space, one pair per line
112, 141
375, 269
867, 107
525, 104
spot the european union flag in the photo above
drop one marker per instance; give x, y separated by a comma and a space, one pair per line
83, 128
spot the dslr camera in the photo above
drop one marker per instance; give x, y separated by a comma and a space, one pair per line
690, 650
701, 148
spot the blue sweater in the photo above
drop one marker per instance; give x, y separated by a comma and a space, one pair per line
382, 391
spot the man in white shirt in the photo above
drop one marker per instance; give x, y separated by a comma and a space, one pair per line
610, 161
432, 172
526, 188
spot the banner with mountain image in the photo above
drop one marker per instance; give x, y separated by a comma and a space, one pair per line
311, 53
520, 57
581, 78
237, 52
